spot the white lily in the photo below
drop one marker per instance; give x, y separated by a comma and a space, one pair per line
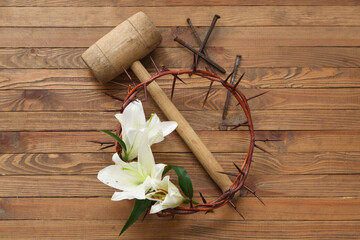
135, 179
133, 122
167, 195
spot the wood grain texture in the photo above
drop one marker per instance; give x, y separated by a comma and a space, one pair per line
333, 209
255, 78
69, 58
184, 100
226, 141
125, 3
180, 229
201, 16
305, 52
91, 163
265, 185
220, 37
263, 120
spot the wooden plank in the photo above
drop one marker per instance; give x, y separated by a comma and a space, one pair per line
128, 3
179, 229
184, 99
265, 185
255, 78
91, 163
333, 209
182, 58
221, 36
41, 58
265, 57
35, 164
216, 141
175, 16
199, 120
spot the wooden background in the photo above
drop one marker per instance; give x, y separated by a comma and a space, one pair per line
305, 52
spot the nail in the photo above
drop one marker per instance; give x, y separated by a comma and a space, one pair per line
227, 101
198, 39
216, 17
177, 39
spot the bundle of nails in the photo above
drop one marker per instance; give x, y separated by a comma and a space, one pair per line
232, 87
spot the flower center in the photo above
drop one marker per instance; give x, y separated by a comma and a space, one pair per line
160, 194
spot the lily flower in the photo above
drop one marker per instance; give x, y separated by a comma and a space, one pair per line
133, 123
167, 195
134, 179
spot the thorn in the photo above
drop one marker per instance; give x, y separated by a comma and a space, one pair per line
101, 143
191, 204
173, 87
237, 83
237, 167
208, 92
129, 76
190, 197
258, 95
230, 174
240, 124
114, 97
152, 60
111, 145
253, 192
233, 205
262, 149
121, 84
172, 216
229, 76
180, 79
268, 140
202, 197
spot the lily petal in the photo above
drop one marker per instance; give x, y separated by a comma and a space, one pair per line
157, 207
115, 176
155, 133
146, 160
137, 192
159, 169
172, 199
168, 127
133, 115
133, 140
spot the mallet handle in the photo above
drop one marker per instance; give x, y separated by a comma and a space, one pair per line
184, 129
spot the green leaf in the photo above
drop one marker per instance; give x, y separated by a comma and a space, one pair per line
114, 136
139, 208
184, 179
166, 169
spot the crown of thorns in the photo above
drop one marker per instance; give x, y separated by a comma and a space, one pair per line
232, 88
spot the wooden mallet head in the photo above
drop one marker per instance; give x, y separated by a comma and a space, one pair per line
130, 41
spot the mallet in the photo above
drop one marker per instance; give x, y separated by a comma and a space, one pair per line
122, 48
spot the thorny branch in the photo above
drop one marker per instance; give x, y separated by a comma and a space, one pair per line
243, 171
